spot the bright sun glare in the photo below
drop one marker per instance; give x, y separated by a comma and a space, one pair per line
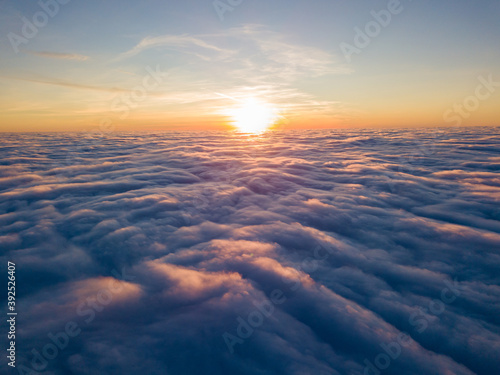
253, 116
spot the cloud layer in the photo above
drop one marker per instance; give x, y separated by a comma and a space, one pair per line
285, 253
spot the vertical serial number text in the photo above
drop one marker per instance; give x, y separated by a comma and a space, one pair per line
11, 313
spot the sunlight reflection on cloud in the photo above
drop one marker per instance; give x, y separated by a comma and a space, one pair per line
356, 238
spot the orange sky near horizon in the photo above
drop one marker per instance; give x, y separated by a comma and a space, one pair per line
327, 64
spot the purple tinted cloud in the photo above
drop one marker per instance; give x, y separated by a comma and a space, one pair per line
156, 245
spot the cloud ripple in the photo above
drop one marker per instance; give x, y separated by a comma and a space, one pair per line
159, 245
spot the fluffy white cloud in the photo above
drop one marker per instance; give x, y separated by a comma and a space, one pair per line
334, 242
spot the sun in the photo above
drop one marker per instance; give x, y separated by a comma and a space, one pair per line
253, 116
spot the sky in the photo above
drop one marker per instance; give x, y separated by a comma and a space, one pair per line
197, 64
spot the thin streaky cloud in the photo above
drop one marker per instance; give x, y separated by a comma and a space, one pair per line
227, 96
264, 48
280, 52
61, 56
72, 85
169, 41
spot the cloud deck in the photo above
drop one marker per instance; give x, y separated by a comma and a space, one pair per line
159, 246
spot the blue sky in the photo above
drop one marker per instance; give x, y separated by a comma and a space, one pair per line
287, 53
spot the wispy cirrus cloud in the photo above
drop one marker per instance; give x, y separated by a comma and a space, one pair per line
178, 41
245, 61
249, 52
290, 101
61, 83
61, 56
285, 57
